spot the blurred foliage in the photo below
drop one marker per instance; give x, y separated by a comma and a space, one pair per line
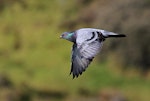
35, 63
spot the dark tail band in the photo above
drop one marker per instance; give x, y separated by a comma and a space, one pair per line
119, 35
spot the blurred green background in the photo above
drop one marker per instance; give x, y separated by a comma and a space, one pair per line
35, 63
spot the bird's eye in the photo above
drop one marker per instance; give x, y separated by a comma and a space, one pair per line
63, 35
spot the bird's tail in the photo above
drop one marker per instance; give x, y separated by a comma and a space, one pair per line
108, 34
117, 35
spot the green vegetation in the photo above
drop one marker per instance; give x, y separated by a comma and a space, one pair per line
35, 63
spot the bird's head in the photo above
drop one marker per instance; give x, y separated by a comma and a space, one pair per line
67, 36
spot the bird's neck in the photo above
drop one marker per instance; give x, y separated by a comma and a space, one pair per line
72, 37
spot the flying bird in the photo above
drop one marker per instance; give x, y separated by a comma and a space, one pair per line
87, 43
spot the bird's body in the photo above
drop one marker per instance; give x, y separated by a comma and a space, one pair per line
87, 43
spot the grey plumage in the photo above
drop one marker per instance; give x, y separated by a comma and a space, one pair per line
87, 43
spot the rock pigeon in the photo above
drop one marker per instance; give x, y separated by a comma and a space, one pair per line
87, 42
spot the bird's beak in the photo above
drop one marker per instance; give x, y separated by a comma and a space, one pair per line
60, 37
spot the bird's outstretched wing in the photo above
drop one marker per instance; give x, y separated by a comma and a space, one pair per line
82, 55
